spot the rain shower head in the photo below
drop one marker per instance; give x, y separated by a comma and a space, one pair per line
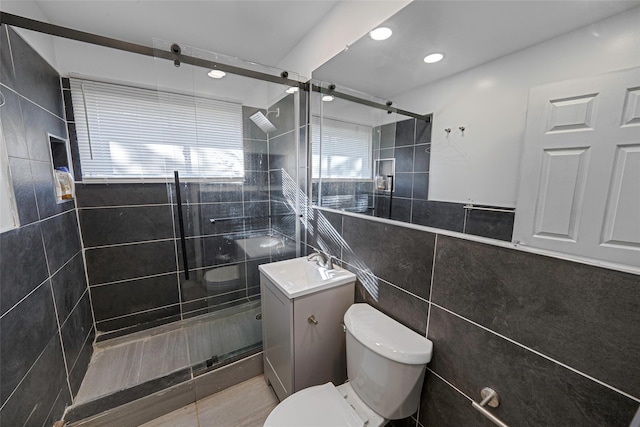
262, 122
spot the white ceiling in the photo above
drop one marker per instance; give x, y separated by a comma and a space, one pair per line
263, 31
469, 33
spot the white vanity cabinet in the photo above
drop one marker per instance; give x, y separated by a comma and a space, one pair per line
302, 333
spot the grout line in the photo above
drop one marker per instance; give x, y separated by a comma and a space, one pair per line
25, 297
433, 273
116, 245
541, 354
35, 194
33, 102
55, 309
73, 309
149, 205
13, 66
55, 215
86, 271
80, 354
66, 263
136, 313
449, 384
166, 239
26, 374
387, 282
95, 285
195, 402
52, 406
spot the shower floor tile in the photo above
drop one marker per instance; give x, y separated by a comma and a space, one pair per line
111, 369
128, 361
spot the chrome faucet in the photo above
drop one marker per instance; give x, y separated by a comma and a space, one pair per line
321, 260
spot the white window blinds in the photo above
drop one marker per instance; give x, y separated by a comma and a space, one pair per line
346, 149
128, 132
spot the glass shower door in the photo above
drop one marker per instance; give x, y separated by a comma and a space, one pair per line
237, 198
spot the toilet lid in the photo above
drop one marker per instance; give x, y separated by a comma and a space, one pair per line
318, 406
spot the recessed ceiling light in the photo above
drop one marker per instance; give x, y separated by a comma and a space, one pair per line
434, 57
292, 89
216, 74
327, 98
381, 33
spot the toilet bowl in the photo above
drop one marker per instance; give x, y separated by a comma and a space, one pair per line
386, 362
221, 280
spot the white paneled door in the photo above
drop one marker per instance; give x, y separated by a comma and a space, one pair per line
580, 180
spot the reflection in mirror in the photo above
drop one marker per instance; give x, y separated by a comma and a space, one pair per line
368, 161
484, 158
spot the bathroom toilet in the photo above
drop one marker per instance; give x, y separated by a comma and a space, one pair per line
221, 280
386, 363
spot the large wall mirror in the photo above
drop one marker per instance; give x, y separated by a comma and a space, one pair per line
531, 130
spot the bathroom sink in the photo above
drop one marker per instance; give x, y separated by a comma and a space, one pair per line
264, 246
299, 276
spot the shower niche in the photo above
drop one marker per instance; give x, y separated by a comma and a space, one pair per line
385, 171
62, 169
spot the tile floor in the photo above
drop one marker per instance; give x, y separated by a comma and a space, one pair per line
127, 361
244, 405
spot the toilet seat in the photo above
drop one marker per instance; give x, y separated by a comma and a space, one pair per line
317, 406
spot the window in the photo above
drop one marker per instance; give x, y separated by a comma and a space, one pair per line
129, 132
346, 149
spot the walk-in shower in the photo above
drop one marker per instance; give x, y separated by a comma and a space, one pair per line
179, 199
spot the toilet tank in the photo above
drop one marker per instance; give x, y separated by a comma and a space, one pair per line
386, 361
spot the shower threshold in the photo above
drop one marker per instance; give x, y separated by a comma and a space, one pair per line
131, 367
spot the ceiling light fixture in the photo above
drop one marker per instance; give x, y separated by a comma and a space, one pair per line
434, 57
216, 74
327, 98
292, 89
381, 33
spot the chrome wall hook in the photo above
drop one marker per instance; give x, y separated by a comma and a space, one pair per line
462, 128
448, 130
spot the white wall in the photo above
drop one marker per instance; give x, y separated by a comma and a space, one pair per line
482, 166
343, 25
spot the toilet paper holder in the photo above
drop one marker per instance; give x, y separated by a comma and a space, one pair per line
489, 397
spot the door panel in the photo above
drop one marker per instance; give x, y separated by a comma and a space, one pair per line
571, 114
562, 184
580, 178
631, 115
622, 217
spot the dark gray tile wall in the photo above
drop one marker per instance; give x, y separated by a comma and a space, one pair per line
409, 142
519, 295
46, 322
135, 260
558, 340
130, 251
